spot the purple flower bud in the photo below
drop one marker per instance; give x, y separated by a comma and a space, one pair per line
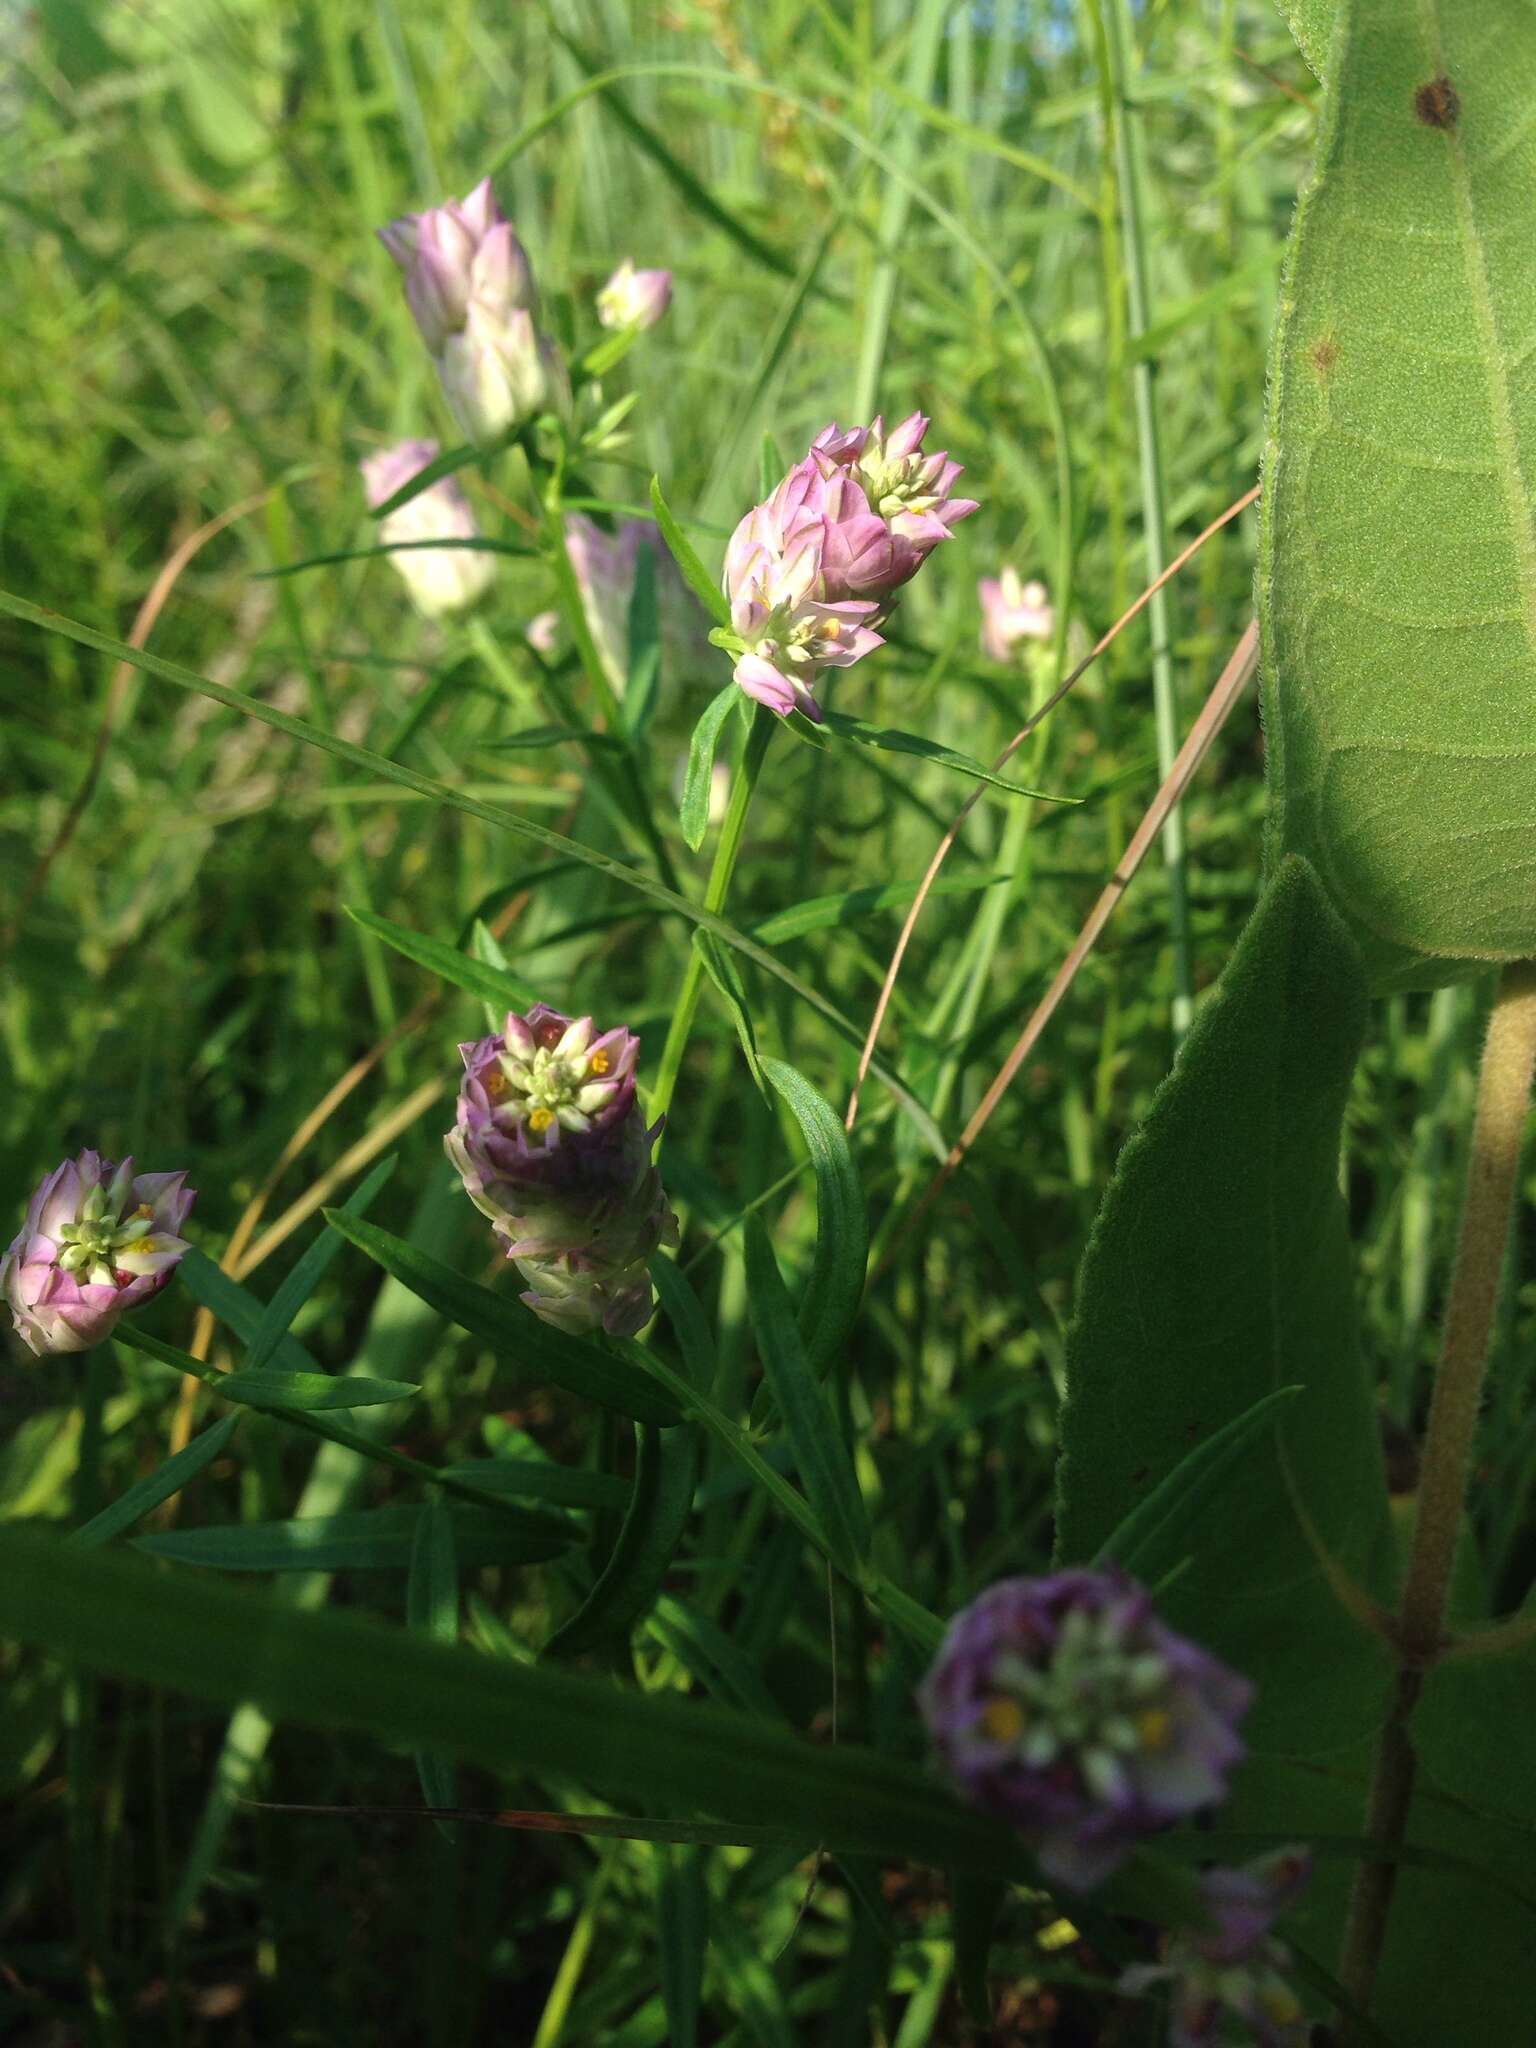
551, 1145
634, 298
1229, 1981
1012, 611
1064, 1706
97, 1241
605, 566
439, 580
894, 482
471, 292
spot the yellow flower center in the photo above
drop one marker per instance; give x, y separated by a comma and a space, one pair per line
1003, 1719
497, 1086
1154, 1728
600, 1063
540, 1119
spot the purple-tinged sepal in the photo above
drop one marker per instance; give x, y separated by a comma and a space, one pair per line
1230, 1982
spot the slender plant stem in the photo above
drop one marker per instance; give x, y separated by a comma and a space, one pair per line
1498, 1131
727, 847
1116, 43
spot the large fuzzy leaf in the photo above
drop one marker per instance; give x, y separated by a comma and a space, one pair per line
1397, 575
1218, 1272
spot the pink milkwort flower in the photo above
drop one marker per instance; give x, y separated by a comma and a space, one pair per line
1064, 1706
789, 633
1229, 1980
98, 1240
1011, 611
634, 298
470, 288
551, 1145
543, 633
440, 580
908, 491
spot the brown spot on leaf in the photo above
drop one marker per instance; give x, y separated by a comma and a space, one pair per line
1438, 105
1323, 354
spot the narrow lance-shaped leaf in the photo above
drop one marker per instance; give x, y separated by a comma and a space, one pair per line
159, 1485
432, 1611
836, 1285
308, 1270
491, 984
365, 1540
694, 573
821, 1456
698, 776
538, 1351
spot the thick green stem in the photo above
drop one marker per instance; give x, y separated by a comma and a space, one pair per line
1116, 44
1498, 1131
716, 890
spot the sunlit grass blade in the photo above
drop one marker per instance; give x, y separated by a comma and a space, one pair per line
305, 1275
694, 573
491, 984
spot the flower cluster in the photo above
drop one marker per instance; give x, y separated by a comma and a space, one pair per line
471, 291
634, 298
98, 1240
810, 572
1063, 1705
552, 1146
1013, 611
440, 580
1229, 1981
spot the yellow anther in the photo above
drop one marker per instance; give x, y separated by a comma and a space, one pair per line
540, 1119
497, 1085
1154, 1727
600, 1063
145, 1211
1003, 1719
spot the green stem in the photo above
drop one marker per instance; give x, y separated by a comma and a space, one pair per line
1114, 17
716, 890
1493, 1178
81, 1747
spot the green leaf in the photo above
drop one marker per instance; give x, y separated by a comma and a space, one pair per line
690, 1326
1146, 1542
694, 573
541, 1354
432, 1611
497, 817
236, 1307
721, 969
836, 1285
1218, 1272
567, 1486
821, 1456
364, 1540
682, 1919
158, 1485
116, 1613
307, 1272
396, 547
666, 1473
310, 1392
1397, 571
490, 984
534, 737
851, 906
1311, 23
693, 811
893, 742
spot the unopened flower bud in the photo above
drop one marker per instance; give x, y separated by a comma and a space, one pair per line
634, 298
1012, 611
470, 288
98, 1240
440, 580
1065, 1707
1230, 1981
551, 1146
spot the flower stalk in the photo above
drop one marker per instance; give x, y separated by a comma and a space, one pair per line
1498, 1132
